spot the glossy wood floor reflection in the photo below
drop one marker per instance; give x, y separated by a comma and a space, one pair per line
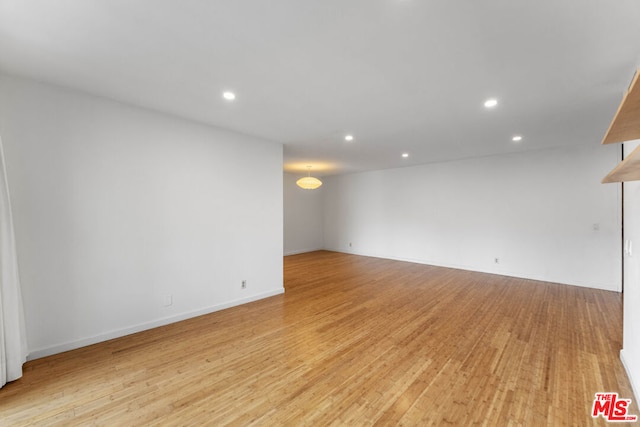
354, 341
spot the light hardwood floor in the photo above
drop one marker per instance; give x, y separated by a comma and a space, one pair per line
353, 341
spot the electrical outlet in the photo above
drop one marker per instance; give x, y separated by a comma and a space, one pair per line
349, 244
497, 260
244, 284
168, 300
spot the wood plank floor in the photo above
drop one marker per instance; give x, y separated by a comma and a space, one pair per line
353, 341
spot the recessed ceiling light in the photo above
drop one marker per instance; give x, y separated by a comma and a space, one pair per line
348, 138
490, 103
405, 155
229, 96
516, 138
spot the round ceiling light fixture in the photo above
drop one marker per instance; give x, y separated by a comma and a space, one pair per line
229, 96
517, 138
490, 103
348, 138
309, 182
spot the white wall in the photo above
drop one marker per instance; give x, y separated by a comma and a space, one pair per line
535, 211
303, 217
117, 208
630, 354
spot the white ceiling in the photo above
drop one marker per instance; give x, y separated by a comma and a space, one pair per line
400, 75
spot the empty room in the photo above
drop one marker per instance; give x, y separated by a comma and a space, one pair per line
388, 212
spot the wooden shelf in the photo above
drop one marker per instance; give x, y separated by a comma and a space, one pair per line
625, 125
627, 170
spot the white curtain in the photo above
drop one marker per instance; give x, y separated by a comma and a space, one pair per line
13, 342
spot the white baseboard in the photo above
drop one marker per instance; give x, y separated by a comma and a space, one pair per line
499, 271
635, 386
48, 351
303, 251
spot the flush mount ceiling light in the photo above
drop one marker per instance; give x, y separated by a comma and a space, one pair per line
309, 182
517, 138
405, 155
490, 103
348, 138
229, 96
